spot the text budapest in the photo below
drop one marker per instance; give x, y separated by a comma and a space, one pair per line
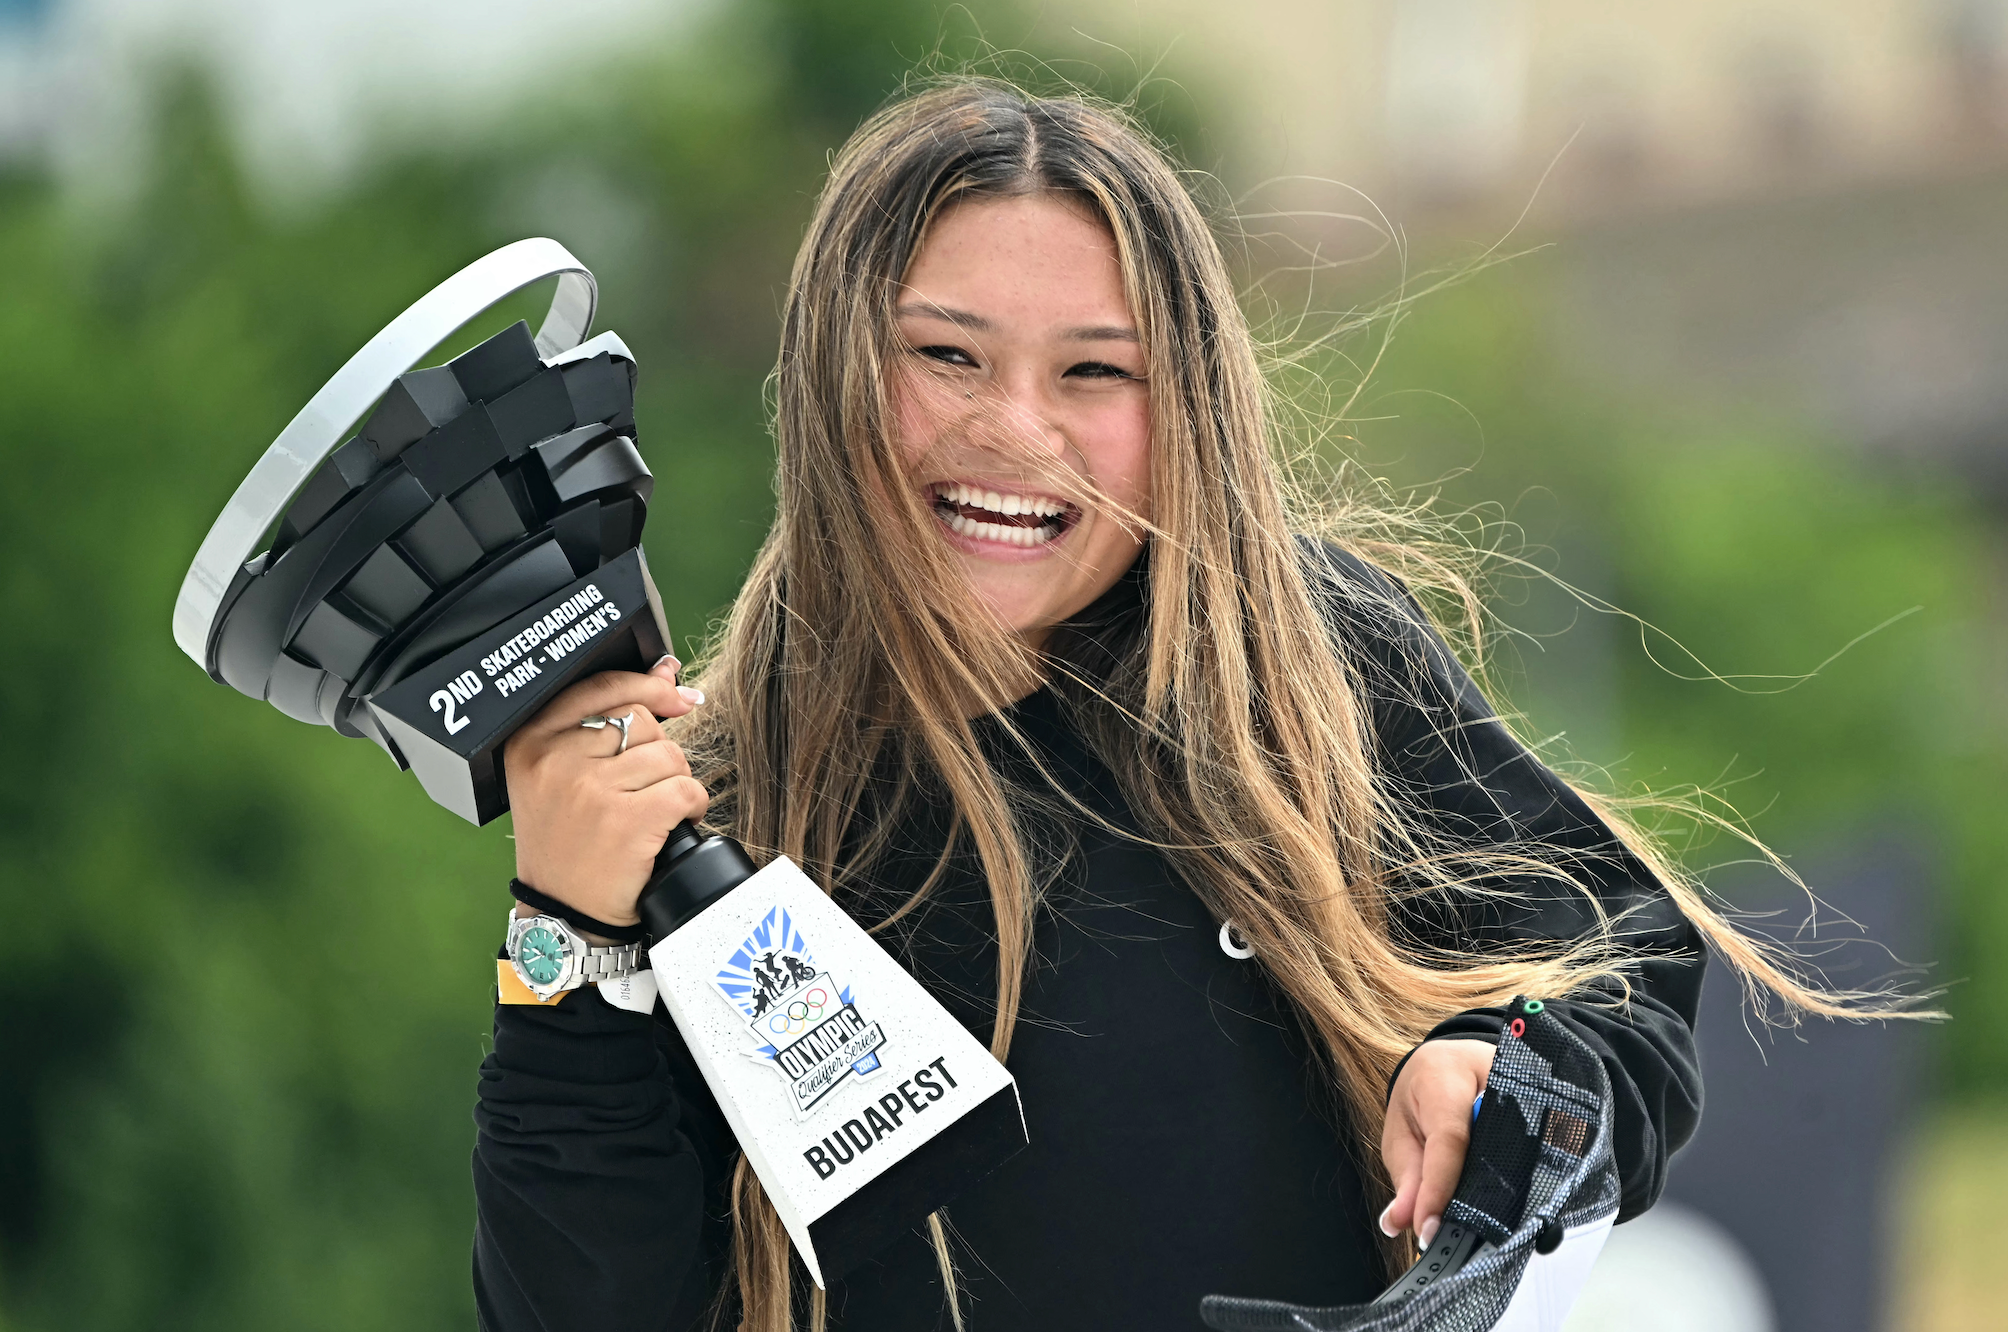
857, 1136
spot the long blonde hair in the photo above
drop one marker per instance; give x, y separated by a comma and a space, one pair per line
1236, 728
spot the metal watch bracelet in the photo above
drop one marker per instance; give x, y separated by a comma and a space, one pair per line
612, 963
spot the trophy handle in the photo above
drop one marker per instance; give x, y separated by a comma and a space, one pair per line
308, 439
691, 872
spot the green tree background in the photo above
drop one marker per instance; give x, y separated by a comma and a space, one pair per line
246, 984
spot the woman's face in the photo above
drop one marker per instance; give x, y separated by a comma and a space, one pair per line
1021, 397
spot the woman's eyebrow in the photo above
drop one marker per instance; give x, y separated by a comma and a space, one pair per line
976, 323
960, 318
1103, 333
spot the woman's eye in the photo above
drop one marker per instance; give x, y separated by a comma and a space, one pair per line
1099, 370
947, 355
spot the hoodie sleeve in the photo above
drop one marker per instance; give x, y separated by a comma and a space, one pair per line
1474, 787
590, 1174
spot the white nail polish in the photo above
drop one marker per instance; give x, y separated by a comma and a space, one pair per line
1386, 1229
1428, 1231
696, 696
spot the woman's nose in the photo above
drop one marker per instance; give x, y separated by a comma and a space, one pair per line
1027, 411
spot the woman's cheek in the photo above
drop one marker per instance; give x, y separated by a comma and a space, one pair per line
1122, 461
912, 419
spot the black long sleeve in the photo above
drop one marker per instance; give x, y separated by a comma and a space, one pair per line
592, 1172
1478, 789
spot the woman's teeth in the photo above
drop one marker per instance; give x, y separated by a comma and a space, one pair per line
1007, 505
1013, 536
989, 515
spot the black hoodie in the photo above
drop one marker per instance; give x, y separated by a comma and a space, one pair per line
1182, 1140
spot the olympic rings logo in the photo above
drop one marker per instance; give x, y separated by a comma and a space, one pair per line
800, 1015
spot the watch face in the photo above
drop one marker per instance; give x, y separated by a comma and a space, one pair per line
541, 954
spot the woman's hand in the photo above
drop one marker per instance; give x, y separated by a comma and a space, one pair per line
1428, 1127
589, 822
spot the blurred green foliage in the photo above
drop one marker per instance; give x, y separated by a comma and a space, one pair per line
1848, 607
247, 985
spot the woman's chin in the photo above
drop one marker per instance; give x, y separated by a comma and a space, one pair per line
1024, 600
1025, 607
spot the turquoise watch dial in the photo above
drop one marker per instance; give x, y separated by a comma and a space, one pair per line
541, 954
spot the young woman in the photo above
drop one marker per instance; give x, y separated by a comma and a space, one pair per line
1196, 819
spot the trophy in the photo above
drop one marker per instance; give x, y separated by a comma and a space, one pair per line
432, 581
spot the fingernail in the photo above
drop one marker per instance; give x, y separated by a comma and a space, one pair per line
695, 696
666, 659
1428, 1231
1386, 1229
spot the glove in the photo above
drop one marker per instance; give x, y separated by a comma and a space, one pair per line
1536, 1199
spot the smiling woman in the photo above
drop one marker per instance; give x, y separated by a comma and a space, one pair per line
1198, 819
1026, 405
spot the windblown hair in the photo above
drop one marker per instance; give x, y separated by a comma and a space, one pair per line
1239, 734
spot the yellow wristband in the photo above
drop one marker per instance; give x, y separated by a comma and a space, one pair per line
510, 989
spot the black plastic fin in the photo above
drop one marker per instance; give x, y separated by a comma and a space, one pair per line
600, 390
613, 464
490, 513
532, 412
578, 532
497, 365
418, 403
333, 641
440, 544
621, 522
387, 587
347, 470
456, 453
295, 688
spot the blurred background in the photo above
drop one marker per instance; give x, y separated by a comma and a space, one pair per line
1728, 349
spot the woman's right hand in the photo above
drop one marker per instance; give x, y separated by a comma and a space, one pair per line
589, 822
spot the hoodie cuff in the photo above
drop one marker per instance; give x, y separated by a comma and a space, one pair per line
1477, 1024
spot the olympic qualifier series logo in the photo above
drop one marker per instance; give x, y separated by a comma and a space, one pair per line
803, 1022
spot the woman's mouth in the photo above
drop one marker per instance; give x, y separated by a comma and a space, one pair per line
1007, 518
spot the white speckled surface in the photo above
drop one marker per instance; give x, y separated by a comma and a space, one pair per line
755, 1096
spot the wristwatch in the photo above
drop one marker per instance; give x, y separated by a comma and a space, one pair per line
550, 957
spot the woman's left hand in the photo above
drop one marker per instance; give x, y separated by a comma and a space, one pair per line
1428, 1127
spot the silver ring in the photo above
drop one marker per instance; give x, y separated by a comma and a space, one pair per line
601, 723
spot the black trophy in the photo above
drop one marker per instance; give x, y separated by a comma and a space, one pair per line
472, 550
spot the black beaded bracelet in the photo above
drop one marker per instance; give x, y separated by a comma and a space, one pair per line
577, 919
